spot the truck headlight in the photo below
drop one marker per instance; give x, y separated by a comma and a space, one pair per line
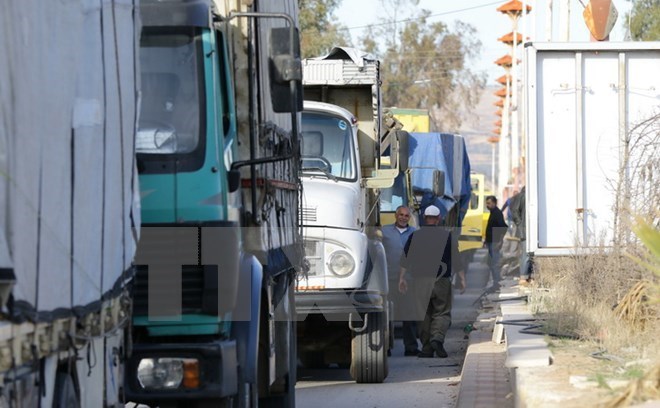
164, 373
341, 263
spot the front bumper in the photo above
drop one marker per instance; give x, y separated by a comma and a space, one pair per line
339, 301
218, 371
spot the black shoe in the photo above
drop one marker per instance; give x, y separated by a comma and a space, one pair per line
409, 353
425, 354
439, 349
389, 353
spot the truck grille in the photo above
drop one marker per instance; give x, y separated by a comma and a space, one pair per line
169, 244
192, 288
309, 214
206, 255
314, 255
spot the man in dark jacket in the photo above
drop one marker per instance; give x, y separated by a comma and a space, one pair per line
518, 211
430, 255
495, 231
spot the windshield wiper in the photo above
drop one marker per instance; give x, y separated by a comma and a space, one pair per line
325, 172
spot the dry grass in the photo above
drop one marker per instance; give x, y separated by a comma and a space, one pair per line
611, 298
609, 302
601, 298
634, 307
639, 390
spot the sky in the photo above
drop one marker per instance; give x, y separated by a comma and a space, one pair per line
490, 24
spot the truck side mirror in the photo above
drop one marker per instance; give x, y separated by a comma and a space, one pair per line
283, 68
438, 183
233, 180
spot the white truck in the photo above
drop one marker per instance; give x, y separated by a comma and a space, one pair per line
584, 103
344, 314
69, 204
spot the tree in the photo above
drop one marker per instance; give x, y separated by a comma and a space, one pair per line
425, 64
318, 33
643, 20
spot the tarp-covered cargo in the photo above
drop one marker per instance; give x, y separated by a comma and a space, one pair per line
430, 152
68, 201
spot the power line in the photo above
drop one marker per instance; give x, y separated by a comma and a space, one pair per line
419, 18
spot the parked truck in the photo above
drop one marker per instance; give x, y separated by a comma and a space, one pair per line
349, 152
587, 107
217, 142
69, 205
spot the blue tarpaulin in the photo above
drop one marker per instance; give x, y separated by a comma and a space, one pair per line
436, 151
454, 150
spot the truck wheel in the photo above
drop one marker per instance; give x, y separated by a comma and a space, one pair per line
65, 392
369, 358
287, 398
247, 397
223, 403
388, 349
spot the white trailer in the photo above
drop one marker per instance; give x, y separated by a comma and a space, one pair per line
584, 102
69, 211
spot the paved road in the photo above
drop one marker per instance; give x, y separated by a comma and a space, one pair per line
412, 382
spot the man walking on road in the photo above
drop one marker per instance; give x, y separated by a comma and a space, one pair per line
431, 254
395, 237
519, 219
495, 231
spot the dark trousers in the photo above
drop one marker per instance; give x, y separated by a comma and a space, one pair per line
409, 332
438, 315
404, 310
495, 254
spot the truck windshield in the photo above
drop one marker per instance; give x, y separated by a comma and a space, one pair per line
327, 146
172, 107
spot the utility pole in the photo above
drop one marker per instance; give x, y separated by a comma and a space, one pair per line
492, 167
515, 10
515, 152
523, 133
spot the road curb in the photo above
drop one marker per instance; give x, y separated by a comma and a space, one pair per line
485, 381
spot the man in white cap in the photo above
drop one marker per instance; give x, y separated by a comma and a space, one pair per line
430, 255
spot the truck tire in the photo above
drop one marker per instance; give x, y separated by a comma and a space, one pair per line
369, 358
65, 392
287, 398
246, 398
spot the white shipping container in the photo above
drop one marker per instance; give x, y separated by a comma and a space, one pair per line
582, 101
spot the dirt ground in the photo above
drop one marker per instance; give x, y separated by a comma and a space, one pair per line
581, 375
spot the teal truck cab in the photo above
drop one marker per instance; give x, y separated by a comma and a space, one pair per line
213, 314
